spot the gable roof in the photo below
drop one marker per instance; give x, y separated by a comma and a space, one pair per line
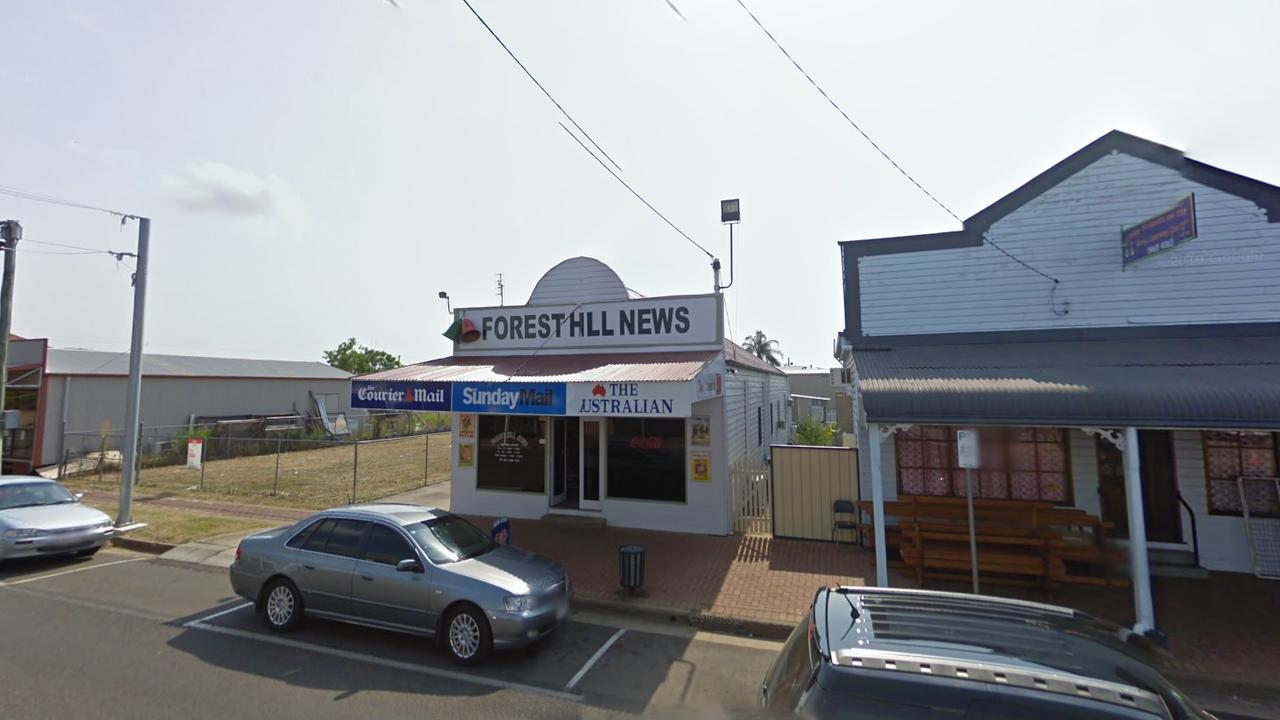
1264, 195
94, 362
734, 354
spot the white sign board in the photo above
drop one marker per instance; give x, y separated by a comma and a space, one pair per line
630, 399
710, 382
967, 448
195, 453
682, 320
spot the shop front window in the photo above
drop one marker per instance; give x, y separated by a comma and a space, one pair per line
1016, 464
1229, 456
511, 453
646, 459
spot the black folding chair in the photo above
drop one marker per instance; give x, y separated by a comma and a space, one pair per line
846, 508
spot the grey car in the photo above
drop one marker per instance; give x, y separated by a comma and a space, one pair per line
406, 568
39, 517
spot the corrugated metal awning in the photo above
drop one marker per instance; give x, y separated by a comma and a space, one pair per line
612, 367
1207, 382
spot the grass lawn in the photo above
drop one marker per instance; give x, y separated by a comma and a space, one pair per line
309, 479
175, 527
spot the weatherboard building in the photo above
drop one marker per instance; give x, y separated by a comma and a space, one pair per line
588, 402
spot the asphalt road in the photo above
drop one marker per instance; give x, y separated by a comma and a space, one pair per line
129, 636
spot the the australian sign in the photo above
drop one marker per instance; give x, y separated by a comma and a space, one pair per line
1165, 231
678, 321
630, 399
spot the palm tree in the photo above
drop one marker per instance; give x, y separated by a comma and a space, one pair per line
764, 348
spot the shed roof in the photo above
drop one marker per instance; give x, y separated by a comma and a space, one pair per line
1208, 382
95, 362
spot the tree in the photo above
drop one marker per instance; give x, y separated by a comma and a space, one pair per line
764, 348
812, 432
362, 360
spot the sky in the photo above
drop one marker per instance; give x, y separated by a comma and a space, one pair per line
321, 169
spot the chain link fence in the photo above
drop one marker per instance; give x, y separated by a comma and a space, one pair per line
293, 466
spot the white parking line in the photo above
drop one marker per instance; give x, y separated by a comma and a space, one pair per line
582, 672
218, 614
384, 662
23, 581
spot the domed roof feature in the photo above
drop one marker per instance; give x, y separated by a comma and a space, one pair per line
579, 279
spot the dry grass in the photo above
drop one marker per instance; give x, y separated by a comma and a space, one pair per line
310, 479
175, 527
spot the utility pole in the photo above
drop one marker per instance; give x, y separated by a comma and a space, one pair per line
133, 398
501, 289
10, 233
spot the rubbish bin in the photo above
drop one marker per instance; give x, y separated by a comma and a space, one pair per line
631, 566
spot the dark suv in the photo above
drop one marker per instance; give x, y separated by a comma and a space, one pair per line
871, 653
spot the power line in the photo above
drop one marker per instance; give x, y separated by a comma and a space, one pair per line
41, 197
539, 84
877, 147
638, 195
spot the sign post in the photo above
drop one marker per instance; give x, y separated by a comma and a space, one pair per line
195, 453
967, 450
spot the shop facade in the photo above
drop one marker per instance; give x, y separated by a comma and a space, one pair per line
1123, 364
587, 402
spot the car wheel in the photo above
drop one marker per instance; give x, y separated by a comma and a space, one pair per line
467, 637
282, 605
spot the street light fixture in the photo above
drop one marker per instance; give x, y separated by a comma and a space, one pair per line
447, 306
730, 214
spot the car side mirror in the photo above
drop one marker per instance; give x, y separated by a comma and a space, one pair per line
78, 496
409, 565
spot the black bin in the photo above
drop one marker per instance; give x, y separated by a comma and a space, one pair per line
631, 566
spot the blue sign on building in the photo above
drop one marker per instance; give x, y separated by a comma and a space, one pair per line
1167, 230
401, 395
516, 398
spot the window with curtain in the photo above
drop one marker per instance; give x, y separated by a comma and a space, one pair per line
1016, 463
1229, 456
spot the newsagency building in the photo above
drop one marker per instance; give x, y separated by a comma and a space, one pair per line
588, 402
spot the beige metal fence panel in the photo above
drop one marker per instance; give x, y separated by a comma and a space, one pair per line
807, 480
752, 499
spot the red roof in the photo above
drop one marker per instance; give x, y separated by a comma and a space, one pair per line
611, 367
736, 354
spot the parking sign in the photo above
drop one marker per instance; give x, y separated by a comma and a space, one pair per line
967, 448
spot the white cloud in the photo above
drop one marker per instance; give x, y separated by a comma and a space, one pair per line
219, 189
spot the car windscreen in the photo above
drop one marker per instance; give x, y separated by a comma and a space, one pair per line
449, 538
33, 494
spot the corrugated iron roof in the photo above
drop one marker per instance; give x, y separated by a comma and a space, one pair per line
735, 354
1223, 382
94, 362
611, 367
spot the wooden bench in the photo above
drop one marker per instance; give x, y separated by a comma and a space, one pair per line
1031, 539
1001, 558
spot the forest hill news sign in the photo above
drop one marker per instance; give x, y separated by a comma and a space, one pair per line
1162, 232
679, 320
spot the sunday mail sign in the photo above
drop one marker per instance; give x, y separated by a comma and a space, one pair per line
676, 321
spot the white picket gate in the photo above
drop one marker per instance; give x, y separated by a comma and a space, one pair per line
752, 499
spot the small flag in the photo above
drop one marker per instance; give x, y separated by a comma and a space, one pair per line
455, 331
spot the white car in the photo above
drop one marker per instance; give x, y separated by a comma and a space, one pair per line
40, 517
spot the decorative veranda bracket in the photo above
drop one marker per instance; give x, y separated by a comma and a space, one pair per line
1115, 437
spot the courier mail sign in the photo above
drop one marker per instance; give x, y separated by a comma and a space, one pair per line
684, 322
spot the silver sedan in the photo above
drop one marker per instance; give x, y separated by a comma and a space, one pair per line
404, 568
39, 517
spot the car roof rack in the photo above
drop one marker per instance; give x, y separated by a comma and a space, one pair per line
999, 674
